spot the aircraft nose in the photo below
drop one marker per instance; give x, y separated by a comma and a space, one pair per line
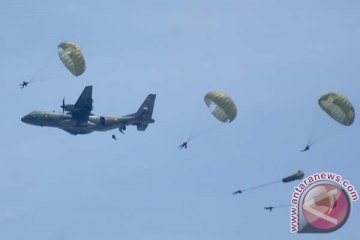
25, 119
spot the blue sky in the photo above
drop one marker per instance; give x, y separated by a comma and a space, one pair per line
274, 58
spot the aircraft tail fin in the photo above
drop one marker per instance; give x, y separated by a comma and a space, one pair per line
144, 113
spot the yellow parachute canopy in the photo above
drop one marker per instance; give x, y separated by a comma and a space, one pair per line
338, 107
221, 105
71, 56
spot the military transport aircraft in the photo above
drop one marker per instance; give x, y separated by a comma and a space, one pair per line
78, 119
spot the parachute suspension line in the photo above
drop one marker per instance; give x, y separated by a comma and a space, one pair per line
205, 131
41, 68
282, 206
314, 133
313, 141
194, 121
314, 124
277, 206
261, 186
330, 134
321, 137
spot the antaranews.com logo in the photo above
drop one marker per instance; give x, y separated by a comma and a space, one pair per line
321, 203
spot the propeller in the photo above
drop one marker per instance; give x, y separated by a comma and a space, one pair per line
63, 105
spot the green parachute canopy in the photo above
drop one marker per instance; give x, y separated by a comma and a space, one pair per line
221, 106
71, 56
338, 107
296, 176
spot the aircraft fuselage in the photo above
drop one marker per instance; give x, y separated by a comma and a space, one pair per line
66, 122
78, 119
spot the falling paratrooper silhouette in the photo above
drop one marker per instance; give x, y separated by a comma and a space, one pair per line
307, 148
183, 145
269, 208
308, 145
296, 176
122, 129
24, 84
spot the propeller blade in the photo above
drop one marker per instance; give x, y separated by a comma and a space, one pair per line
63, 105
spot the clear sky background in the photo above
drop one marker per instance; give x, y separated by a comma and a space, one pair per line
274, 58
